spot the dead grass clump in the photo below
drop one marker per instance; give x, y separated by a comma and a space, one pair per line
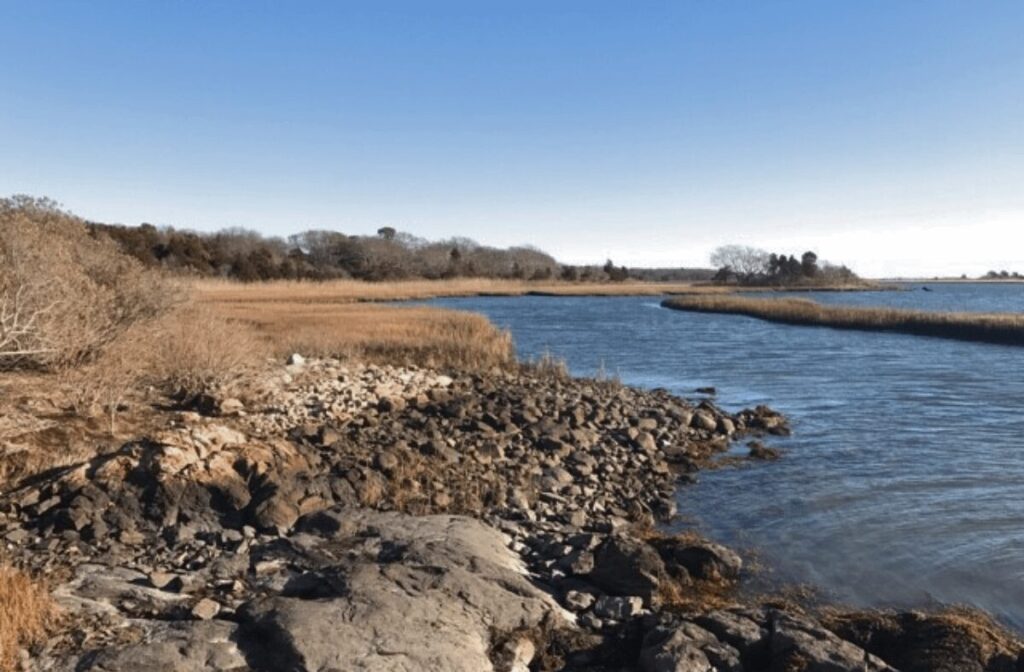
26, 612
184, 354
65, 295
195, 351
985, 327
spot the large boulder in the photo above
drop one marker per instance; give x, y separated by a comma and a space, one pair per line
387, 591
626, 566
795, 638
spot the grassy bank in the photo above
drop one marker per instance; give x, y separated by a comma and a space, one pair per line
352, 291
383, 334
988, 328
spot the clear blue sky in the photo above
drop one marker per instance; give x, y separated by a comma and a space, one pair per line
885, 134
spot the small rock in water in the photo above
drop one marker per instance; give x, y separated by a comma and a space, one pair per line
706, 390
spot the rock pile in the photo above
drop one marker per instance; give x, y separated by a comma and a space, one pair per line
378, 518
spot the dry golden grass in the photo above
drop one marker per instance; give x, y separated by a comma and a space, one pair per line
350, 291
421, 336
343, 317
26, 612
1005, 328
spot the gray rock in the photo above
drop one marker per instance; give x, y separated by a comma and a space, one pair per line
429, 598
626, 566
819, 649
196, 646
618, 608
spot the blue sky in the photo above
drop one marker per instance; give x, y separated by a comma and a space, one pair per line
886, 135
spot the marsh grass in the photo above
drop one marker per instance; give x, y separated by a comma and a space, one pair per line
350, 291
1003, 328
383, 334
26, 613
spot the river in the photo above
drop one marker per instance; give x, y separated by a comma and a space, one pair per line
903, 482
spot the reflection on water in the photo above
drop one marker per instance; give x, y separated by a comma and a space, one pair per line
904, 480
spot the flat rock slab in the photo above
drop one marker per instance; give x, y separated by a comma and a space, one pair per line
360, 590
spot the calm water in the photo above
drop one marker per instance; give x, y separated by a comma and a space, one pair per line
904, 480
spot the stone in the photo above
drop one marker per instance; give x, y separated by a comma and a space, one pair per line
579, 601
704, 420
206, 609
192, 646
626, 566
819, 649
618, 608
295, 359
678, 649
432, 603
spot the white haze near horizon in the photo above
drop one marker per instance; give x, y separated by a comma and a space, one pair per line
882, 249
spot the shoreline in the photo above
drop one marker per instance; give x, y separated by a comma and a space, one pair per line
352, 291
220, 527
994, 328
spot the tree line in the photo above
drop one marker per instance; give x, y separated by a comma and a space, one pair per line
323, 255
248, 256
744, 265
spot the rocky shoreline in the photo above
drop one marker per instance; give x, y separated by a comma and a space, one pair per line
345, 517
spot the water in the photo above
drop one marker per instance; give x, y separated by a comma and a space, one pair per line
904, 480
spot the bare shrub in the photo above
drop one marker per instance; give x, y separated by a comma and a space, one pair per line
26, 611
196, 351
64, 294
186, 353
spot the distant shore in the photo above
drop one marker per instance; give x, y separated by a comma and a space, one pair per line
1005, 329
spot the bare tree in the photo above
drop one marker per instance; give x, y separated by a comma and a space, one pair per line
743, 261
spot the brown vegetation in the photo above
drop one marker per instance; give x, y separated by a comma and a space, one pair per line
65, 295
26, 612
952, 639
350, 291
985, 327
421, 336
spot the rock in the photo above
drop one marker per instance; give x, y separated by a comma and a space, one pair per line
736, 630
704, 420
206, 609
759, 451
818, 649
194, 646
161, 580
231, 406
726, 426
275, 513
626, 566
645, 442
618, 608
701, 559
579, 601
676, 650
431, 603
295, 359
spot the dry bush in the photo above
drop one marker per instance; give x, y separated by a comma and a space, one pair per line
187, 352
26, 611
196, 351
64, 295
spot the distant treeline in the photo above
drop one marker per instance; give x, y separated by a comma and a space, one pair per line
324, 255
738, 264
1002, 275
